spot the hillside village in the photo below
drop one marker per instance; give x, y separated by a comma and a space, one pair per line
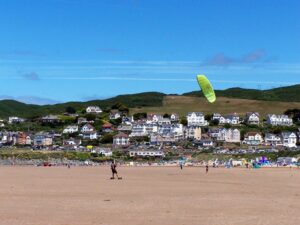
142, 134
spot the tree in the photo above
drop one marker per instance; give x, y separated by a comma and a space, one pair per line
98, 124
121, 107
183, 121
116, 122
70, 110
124, 109
166, 115
294, 113
208, 117
227, 125
107, 139
139, 116
90, 117
214, 122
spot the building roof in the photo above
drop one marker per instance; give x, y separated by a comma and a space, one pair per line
121, 135
89, 126
107, 125
252, 134
251, 113
197, 113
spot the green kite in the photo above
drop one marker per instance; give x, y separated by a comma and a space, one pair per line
206, 88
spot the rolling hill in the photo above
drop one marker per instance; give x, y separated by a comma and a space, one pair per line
15, 108
283, 94
229, 100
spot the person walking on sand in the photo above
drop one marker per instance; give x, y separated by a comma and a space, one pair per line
181, 165
206, 168
113, 167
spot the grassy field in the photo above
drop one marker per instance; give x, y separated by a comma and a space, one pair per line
184, 104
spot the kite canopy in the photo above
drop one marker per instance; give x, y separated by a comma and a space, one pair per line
206, 88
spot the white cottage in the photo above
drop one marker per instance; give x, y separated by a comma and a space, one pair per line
252, 118
93, 109
196, 119
253, 138
279, 120
70, 129
289, 139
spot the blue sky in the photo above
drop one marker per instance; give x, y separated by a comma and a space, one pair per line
63, 50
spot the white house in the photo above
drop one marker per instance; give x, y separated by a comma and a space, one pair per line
196, 119
252, 118
279, 120
154, 118
163, 121
232, 119
272, 139
289, 139
92, 135
253, 138
82, 120
125, 128
128, 120
143, 129
204, 143
93, 109
50, 119
114, 114
193, 132
219, 117
143, 153
121, 140
72, 142
175, 130
214, 133
87, 128
106, 152
229, 135
174, 117
70, 129
88, 132
216, 116
15, 119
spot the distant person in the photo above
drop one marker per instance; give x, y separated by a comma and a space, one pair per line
181, 165
206, 168
113, 167
69, 166
247, 165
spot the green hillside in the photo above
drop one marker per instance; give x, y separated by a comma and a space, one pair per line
147, 99
15, 108
283, 94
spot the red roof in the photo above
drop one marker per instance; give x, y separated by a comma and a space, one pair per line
107, 125
120, 135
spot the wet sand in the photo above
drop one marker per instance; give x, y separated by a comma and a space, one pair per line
156, 195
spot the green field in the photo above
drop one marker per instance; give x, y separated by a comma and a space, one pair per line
185, 104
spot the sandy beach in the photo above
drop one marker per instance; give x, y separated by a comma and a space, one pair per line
149, 195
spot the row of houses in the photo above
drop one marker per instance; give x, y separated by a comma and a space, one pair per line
253, 118
162, 130
193, 118
231, 135
22, 138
